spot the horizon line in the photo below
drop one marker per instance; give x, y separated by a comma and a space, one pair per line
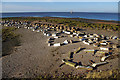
56, 12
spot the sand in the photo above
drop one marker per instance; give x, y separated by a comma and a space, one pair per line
34, 57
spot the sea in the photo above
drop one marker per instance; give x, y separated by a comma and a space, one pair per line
87, 15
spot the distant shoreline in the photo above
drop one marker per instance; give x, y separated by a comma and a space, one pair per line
83, 19
63, 17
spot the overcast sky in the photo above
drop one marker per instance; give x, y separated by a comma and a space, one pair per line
59, 6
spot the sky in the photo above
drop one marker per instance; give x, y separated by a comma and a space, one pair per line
60, 0
59, 6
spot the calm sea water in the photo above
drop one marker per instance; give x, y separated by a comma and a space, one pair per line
88, 15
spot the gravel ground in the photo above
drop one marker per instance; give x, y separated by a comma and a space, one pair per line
34, 58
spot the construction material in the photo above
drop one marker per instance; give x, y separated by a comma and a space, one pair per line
104, 58
67, 32
65, 42
33, 30
48, 34
89, 50
56, 37
71, 35
78, 50
84, 67
86, 42
97, 64
54, 34
71, 41
56, 44
49, 44
38, 30
100, 52
69, 63
103, 48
